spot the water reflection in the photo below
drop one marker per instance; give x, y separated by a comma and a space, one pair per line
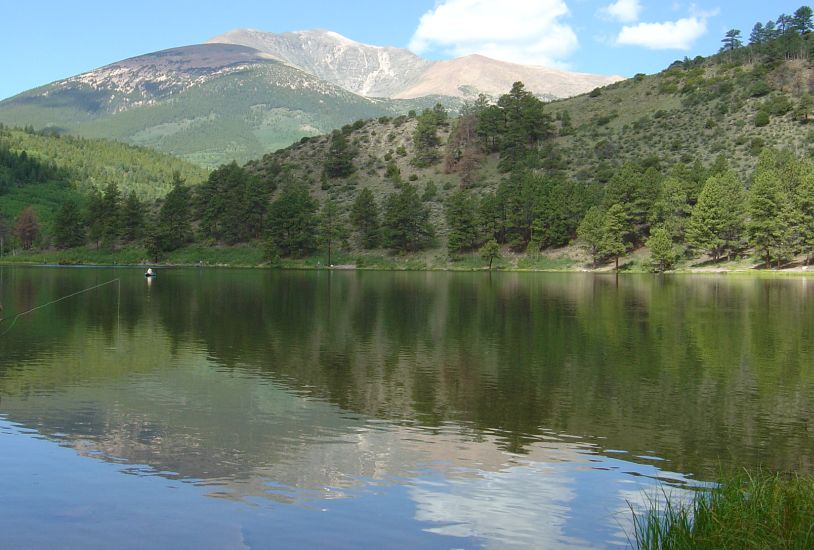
494, 402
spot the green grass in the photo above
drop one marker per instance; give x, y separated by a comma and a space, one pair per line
746, 510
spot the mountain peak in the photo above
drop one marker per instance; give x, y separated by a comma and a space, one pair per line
376, 71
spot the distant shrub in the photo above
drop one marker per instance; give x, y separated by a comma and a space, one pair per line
759, 89
777, 106
761, 119
638, 77
596, 92
756, 146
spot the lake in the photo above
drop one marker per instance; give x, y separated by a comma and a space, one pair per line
248, 408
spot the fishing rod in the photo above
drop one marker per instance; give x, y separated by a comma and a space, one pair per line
52, 302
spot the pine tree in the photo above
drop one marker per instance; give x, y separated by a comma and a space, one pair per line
764, 210
462, 222
339, 160
717, 221
490, 252
133, 217
662, 251
426, 139
406, 223
95, 217
69, 229
175, 228
615, 228
365, 219
111, 214
731, 40
332, 229
292, 221
591, 232
804, 202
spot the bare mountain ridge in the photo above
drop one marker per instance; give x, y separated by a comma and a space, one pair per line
375, 71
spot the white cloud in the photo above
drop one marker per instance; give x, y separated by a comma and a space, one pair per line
520, 31
624, 11
670, 35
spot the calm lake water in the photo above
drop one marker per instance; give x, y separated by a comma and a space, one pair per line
231, 409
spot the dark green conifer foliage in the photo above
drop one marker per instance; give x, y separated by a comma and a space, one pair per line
615, 230
365, 219
591, 232
174, 228
111, 214
232, 205
332, 229
406, 223
69, 227
95, 217
339, 161
292, 221
133, 218
717, 222
462, 222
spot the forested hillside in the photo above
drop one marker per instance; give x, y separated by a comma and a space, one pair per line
707, 161
41, 174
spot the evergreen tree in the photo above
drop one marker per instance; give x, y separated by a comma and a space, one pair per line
490, 252
111, 214
672, 208
232, 205
801, 21
95, 217
175, 229
764, 210
804, 201
662, 251
27, 228
365, 218
615, 228
133, 217
492, 217
332, 229
717, 221
406, 224
731, 40
462, 222
69, 229
292, 221
591, 232
339, 160
758, 35
426, 139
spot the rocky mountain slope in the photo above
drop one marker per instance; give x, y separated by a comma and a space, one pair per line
375, 71
217, 102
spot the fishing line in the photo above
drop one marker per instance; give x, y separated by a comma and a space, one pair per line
52, 302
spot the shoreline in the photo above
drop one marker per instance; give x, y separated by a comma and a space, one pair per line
564, 260
296, 266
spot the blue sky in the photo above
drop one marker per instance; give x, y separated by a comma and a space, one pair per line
45, 40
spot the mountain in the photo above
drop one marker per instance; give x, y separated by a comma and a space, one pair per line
216, 102
369, 71
375, 71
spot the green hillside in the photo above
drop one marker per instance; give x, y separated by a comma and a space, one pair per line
86, 164
45, 171
236, 112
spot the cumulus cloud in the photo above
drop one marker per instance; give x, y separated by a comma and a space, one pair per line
624, 11
520, 31
670, 35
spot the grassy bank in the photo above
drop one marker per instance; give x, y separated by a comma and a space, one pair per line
569, 259
746, 510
